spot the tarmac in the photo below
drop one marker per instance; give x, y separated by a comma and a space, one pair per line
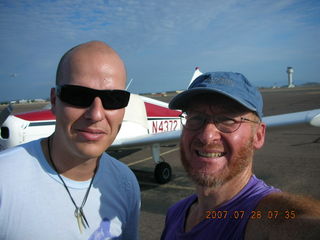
289, 160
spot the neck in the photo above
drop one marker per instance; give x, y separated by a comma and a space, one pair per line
210, 199
67, 165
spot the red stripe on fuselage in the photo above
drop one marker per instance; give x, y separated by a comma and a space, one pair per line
152, 111
37, 116
158, 111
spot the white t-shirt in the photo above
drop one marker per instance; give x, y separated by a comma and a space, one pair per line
35, 205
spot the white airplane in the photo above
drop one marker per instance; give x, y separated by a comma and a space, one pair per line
147, 122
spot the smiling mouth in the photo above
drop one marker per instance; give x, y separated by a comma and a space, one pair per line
210, 154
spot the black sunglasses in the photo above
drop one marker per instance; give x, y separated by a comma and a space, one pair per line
83, 97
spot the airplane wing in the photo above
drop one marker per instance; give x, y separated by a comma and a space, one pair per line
311, 117
145, 140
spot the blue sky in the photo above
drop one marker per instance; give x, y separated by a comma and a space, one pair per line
161, 42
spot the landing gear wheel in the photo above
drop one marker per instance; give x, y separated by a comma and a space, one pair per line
162, 172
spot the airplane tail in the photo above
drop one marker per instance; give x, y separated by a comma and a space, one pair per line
196, 74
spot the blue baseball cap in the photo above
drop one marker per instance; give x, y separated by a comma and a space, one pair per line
233, 85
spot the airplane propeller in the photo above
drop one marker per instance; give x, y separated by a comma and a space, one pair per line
5, 114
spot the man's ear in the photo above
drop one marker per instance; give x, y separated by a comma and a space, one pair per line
259, 136
53, 99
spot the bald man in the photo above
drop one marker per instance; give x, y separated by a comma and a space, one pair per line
66, 186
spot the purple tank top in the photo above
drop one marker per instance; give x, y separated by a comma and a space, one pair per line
226, 222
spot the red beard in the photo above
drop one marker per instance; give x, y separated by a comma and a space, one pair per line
240, 161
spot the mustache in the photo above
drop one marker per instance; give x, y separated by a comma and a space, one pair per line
212, 145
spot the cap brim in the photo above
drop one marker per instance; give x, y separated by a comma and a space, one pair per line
183, 99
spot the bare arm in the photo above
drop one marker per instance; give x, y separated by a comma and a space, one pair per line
285, 216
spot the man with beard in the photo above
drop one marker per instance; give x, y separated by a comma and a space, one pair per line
222, 128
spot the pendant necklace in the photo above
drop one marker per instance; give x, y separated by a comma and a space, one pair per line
78, 213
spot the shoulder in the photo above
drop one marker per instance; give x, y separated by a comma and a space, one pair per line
117, 166
285, 216
122, 181
19, 163
303, 205
120, 173
18, 155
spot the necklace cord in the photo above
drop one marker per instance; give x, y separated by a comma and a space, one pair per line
79, 210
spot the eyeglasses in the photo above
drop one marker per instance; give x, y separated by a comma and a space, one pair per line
223, 124
83, 97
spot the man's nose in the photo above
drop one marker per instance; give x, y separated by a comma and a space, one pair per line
95, 112
209, 133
